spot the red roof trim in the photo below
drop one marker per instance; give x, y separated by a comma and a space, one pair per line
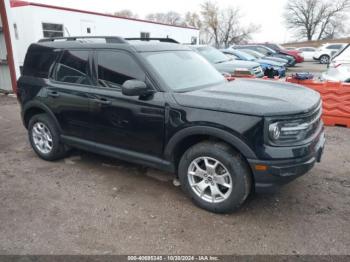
8, 43
15, 3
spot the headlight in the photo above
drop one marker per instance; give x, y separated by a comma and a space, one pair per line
293, 131
288, 132
242, 71
274, 131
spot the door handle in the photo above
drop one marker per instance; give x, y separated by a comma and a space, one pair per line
53, 94
101, 101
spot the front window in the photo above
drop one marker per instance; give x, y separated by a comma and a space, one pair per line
114, 68
213, 55
182, 70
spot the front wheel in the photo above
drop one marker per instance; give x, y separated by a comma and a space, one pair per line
324, 59
215, 177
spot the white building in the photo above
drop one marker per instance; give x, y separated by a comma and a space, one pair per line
29, 22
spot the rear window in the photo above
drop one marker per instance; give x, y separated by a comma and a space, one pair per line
73, 68
38, 63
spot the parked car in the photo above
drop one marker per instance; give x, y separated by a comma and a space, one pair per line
307, 52
258, 55
339, 68
326, 51
269, 67
163, 105
267, 52
291, 48
227, 65
280, 49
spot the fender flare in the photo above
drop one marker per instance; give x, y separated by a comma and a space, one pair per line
36, 104
229, 138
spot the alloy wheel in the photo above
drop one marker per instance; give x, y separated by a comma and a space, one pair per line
324, 60
42, 138
209, 179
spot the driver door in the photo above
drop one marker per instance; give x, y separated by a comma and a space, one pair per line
125, 122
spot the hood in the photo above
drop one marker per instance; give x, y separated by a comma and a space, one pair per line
231, 65
269, 62
252, 97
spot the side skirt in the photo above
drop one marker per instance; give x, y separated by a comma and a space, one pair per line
123, 154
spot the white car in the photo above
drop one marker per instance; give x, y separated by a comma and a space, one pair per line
326, 51
307, 52
339, 68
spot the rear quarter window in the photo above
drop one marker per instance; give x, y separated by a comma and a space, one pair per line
39, 63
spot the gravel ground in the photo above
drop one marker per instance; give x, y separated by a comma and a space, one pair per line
88, 204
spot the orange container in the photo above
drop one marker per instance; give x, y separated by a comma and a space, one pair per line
335, 98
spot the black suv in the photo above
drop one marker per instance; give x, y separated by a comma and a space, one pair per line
164, 106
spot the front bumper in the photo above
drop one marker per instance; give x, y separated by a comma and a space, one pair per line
271, 174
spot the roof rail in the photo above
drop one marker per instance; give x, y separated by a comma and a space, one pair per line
109, 39
160, 39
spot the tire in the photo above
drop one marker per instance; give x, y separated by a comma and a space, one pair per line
48, 135
230, 167
324, 59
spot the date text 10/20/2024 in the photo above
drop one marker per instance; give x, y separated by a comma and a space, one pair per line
173, 258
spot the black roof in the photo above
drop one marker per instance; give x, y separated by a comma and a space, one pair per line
132, 45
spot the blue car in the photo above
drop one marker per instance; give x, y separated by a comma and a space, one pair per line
271, 68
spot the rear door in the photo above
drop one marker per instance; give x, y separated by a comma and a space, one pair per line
126, 122
68, 91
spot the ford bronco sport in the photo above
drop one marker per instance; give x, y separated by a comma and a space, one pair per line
163, 105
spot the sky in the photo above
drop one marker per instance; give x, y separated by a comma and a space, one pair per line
268, 14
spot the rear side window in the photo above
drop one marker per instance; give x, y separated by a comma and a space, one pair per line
39, 63
114, 68
73, 67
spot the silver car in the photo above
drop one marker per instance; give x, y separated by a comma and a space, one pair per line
227, 65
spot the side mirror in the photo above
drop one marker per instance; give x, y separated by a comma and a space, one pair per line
135, 88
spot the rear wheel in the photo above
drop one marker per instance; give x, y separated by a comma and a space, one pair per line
324, 59
44, 138
215, 177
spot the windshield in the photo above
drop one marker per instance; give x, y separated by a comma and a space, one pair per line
253, 53
246, 56
182, 70
213, 55
267, 50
